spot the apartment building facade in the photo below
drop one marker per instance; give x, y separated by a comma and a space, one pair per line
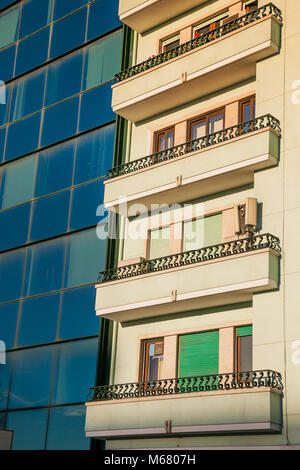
204, 296
57, 60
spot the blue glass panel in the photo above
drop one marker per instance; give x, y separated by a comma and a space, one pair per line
5, 376
66, 429
102, 60
8, 322
55, 169
38, 320
11, 275
35, 15
5, 94
94, 155
29, 429
96, 108
85, 258
64, 78
75, 368
23, 137
27, 96
9, 23
7, 62
60, 121
44, 267
2, 142
32, 51
31, 381
78, 317
6, 3
85, 200
50, 216
17, 182
103, 17
63, 7
14, 227
68, 33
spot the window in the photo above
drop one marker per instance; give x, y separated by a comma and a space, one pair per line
68, 33
11, 274
208, 124
27, 96
103, 17
60, 121
17, 183
8, 321
96, 108
32, 51
202, 232
7, 62
159, 242
9, 22
164, 139
85, 200
66, 429
153, 354
244, 349
170, 43
247, 109
35, 15
64, 7
251, 5
18, 421
23, 137
209, 25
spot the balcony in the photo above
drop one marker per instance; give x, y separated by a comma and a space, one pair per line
248, 402
142, 15
227, 273
211, 62
220, 161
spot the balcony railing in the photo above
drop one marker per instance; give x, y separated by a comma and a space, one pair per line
254, 243
223, 30
205, 383
262, 122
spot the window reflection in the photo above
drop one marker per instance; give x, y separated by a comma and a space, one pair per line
66, 429
21, 422
17, 182
9, 22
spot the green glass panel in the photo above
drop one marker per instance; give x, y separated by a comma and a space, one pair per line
213, 230
9, 27
160, 243
18, 182
202, 232
244, 330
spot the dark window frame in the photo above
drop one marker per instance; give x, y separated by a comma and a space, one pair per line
161, 133
204, 117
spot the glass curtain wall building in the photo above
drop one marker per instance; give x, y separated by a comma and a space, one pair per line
57, 60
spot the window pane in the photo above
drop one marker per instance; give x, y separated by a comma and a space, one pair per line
245, 355
2, 142
78, 316
9, 22
66, 429
55, 169
68, 33
193, 234
38, 320
103, 17
198, 130
31, 381
60, 122
4, 103
8, 322
5, 376
75, 369
33, 51
213, 230
85, 201
96, 108
85, 258
94, 155
50, 216
7, 62
23, 137
64, 78
102, 60
160, 242
44, 267
27, 96
17, 183
11, 275
63, 7
215, 123
35, 15
23, 421
14, 227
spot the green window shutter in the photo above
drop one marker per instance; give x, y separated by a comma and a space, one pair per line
199, 354
244, 330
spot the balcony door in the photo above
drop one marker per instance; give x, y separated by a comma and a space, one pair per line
244, 349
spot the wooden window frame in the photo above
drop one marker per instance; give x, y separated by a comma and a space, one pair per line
144, 368
250, 99
169, 40
246, 5
210, 23
201, 118
237, 354
160, 133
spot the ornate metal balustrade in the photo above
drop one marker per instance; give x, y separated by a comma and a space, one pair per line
223, 30
254, 243
205, 383
209, 140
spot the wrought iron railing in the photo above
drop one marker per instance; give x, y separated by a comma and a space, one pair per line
205, 383
221, 31
209, 140
254, 243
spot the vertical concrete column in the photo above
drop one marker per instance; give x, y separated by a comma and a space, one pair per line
170, 357
226, 350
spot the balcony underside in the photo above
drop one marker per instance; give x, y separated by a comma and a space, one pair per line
200, 72
142, 15
229, 412
204, 172
215, 282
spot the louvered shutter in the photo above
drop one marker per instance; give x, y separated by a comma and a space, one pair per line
244, 330
199, 354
